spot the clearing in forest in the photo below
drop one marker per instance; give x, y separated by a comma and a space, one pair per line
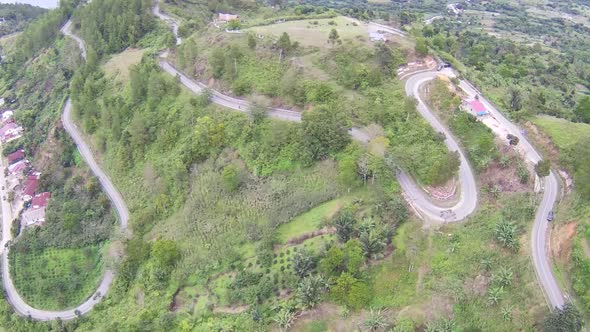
315, 32
309, 221
119, 65
564, 133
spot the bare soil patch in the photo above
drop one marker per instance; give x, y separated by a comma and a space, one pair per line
478, 285
231, 310
562, 237
302, 238
505, 177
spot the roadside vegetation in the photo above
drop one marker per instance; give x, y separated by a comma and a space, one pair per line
58, 264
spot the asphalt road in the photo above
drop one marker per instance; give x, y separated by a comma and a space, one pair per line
19, 305
539, 236
417, 197
468, 200
465, 206
67, 30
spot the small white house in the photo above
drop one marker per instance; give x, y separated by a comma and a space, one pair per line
377, 36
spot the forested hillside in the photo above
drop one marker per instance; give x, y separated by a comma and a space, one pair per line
16, 16
108, 26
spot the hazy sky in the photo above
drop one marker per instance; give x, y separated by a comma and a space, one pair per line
40, 3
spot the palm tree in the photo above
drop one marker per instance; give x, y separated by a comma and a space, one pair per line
345, 225
303, 263
371, 243
507, 313
284, 318
504, 277
486, 263
367, 225
311, 289
375, 320
495, 294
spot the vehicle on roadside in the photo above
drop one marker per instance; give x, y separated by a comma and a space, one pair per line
443, 65
550, 216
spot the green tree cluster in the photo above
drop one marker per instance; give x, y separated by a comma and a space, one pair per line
110, 26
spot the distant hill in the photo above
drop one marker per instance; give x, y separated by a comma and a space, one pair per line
13, 17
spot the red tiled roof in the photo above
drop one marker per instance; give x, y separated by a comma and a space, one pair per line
7, 127
41, 200
16, 156
18, 166
477, 106
31, 184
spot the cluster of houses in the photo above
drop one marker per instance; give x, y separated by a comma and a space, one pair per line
21, 177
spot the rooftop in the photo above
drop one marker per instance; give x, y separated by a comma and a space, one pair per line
477, 106
31, 184
40, 200
16, 156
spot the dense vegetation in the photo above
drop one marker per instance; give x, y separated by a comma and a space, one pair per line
366, 72
16, 16
38, 35
78, 215
109, 26
477, 139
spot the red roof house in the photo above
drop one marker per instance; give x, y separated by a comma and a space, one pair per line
40, 200
478, 107
16, 156
17, 167
30, 186
35, 214
227, 17
10, 131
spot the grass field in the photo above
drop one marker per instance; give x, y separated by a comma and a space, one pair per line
309, 221
563, 132
118, 66
8, 41
440, 274
309, 34
56, 278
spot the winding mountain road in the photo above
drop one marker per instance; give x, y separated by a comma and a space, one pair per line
539, 236
19, 305
417, 197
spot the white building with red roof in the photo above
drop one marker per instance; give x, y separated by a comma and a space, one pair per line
226, 17
10, 131
35, 214
30, 185
17, 155
18, 167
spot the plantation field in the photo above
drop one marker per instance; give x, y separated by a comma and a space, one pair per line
118, 66
307, 33
56, 278
564, 133
309, 221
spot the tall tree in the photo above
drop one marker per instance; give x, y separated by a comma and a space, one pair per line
566, 319
284, 45
334, 38
325, 131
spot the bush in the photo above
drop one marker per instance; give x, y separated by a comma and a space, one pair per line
543, 168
